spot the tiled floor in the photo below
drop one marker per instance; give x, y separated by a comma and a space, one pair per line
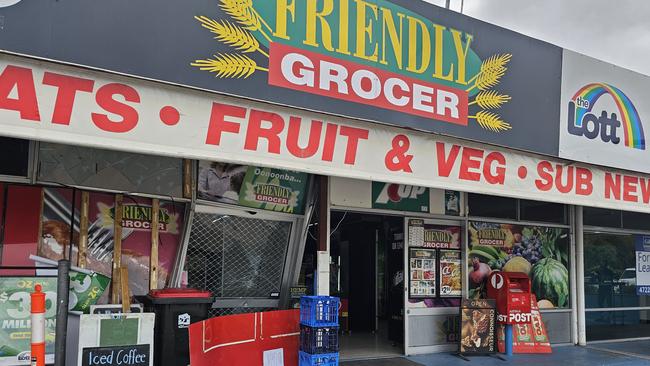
635, 353
367, 345
617, 354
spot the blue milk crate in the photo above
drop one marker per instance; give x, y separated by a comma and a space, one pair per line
319, 311
319, 340
329, 359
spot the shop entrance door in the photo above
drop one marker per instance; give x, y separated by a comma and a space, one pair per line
367, 273
434, 264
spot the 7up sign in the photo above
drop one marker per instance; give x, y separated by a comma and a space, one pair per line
400, 197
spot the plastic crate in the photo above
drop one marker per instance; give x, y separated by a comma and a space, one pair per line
329, 359
319, 340
319, 311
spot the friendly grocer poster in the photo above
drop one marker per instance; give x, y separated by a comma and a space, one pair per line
250, 186
136, 234
540, 252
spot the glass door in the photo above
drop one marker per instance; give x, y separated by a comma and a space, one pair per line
433, 263
613, 308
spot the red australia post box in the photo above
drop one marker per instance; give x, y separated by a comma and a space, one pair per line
511, 290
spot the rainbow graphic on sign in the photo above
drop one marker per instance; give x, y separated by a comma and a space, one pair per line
631, 122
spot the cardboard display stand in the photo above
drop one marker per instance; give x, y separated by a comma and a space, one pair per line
478, 322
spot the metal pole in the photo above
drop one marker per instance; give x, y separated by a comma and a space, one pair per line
63, 287
572, 273
508, 339
580, 276
447, 4
462, 6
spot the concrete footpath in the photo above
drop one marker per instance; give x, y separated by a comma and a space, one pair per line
617, 354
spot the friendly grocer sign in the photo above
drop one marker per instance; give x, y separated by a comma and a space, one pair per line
404, 63
361, 52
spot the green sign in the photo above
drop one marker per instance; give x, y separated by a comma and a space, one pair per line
15, 306
85, 290
15, 316
274, 189
400, 197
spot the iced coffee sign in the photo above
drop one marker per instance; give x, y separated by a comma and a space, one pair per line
642, 265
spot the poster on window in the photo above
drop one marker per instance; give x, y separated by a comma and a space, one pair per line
257, 187
15, 329
450, 273
136, 234
540, 252
422, 269
433, 236
642, 255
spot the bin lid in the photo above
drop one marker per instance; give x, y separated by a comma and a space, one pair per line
179, 293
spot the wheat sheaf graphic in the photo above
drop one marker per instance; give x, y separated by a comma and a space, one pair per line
232, 35
239, 35
229, 65
489, 76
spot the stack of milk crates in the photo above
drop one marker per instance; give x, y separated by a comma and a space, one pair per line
319, 331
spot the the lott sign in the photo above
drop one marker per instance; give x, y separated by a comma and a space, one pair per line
50, 102
605, 114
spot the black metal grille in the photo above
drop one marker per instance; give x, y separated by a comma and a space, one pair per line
237, 257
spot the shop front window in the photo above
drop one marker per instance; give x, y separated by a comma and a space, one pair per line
540, 252
614, 310
492, 206
610, 276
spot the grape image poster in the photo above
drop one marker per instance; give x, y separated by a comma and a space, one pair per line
540, 252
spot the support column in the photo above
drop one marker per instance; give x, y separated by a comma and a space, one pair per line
323, 256
580, 276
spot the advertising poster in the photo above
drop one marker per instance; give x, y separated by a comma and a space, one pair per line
400, 197
136, 234
452, 203
422, 268
642, 244
15, 317
542, 253
477, 327
605, 116
444, 244
264, 188
450, 273
433, 236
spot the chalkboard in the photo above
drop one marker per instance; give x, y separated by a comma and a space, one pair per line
134, 355
118, 332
